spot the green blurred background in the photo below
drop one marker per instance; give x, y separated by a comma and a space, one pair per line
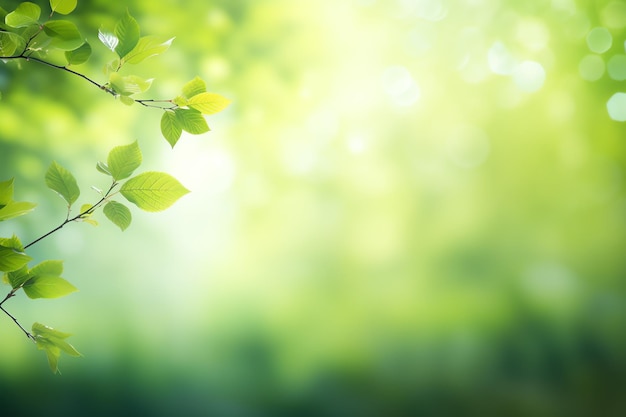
412, 207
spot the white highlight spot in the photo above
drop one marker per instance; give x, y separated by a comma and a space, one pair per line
616, 107
400, 86
529, 76
500, 59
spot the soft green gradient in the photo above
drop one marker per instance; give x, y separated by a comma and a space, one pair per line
412, 207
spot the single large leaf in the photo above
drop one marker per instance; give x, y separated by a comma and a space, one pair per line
127, 32
123, 160
8, 207
170, 127
118, 213
15, 209
12, 259
10, 42
208, 103
18, 277
64, 34
78, 55
25, 14
63, 182
50, 267
48, 286
194, 87
63, 6
191, 121
153, 191
147, 47
6, 192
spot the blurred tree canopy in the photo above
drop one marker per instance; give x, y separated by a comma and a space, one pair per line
413, 207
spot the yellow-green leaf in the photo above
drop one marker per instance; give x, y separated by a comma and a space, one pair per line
127, 32
63, 182
153, 191
194, 87
208, 103
48, 286
63, 6
118, 213
64, 34
191, 121
79, 55
25, 14
170, 127
147, 47
123, 160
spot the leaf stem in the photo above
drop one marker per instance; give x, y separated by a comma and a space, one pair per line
102, 87
78, 216
59, 227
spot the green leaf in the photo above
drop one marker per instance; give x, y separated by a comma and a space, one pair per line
18, 277
12, 259
86, 214
191, 121
26, 14
103, 168
129, 101
153, 191
147, 47
63, 182
12, 242
79, 55
63, 6
50, 267
47, 286
123, 160
9, 208
170, 127
64, 34
208, 103
6, 192
118, 213
129, 84
16, 209
52, 342
194, 87
10, 42
108, 39
127, 32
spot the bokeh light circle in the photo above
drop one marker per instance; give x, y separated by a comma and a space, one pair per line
599, 40
591, 67
616, 107
617, 67
529, 76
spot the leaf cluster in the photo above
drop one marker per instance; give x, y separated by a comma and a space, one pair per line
25, 35
150, 191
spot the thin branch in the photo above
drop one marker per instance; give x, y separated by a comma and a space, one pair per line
103, 87
78, 216
67, 220
26, 332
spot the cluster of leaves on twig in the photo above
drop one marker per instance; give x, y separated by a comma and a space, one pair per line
25, 36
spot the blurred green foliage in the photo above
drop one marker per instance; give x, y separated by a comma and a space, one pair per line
412, 207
